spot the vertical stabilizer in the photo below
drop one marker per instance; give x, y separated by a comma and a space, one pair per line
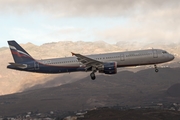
18, 53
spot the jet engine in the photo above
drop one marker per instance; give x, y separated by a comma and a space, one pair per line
108, 68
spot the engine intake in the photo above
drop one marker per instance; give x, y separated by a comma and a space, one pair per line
108, 68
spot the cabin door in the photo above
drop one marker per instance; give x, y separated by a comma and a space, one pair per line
36, 65
155, 55
122, 57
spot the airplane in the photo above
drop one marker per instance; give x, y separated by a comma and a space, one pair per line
103, 63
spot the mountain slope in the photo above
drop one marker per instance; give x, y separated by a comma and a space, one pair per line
125, 88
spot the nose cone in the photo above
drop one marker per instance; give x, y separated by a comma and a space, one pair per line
171, 57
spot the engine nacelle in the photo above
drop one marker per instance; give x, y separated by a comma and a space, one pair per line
108, 68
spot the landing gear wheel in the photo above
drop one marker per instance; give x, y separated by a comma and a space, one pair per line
156, 70
93, 76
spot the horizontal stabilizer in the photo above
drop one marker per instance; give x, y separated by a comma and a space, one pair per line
23, 66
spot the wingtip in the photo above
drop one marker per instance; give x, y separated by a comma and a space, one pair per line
72, 53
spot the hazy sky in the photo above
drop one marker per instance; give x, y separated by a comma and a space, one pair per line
42, 21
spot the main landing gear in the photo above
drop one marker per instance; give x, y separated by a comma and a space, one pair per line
156, 69
93, 76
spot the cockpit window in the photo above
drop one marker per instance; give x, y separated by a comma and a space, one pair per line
164, 52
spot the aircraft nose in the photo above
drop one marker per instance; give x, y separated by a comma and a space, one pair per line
171, 57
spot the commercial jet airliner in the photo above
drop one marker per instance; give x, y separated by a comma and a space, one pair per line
103, 63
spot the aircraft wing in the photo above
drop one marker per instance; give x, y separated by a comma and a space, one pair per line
89, 62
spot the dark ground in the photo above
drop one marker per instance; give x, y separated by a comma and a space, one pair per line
125, 88
139, 114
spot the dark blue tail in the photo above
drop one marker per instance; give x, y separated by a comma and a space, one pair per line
18, 53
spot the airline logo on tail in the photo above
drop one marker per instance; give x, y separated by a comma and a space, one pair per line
18, 52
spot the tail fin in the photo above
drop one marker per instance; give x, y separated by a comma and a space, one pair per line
18, 53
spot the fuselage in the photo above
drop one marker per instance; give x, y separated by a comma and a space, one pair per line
123, 59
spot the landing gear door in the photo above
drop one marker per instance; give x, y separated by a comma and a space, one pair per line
36, 65
155, 55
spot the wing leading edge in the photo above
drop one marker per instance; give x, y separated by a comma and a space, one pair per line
88, 62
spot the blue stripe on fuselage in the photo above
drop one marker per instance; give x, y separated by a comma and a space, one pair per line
43, 68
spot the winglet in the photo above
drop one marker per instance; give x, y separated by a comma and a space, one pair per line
72, 53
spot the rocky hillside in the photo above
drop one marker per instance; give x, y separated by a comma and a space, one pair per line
14, 81
125, 88
174, 90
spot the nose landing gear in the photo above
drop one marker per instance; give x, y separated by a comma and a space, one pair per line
156, 69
